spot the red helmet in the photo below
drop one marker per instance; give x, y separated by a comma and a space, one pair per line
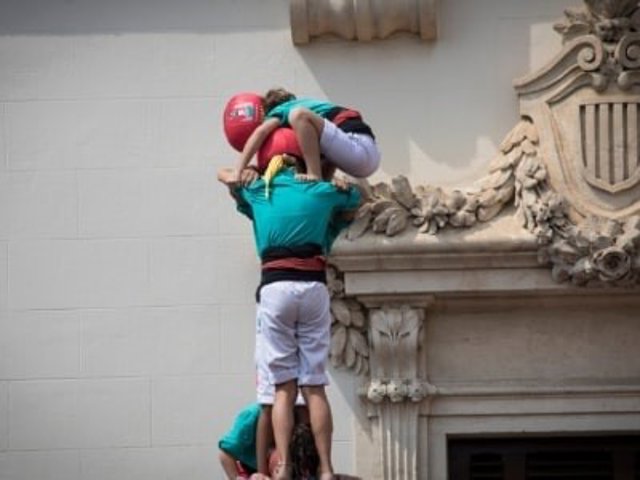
282, 140
242, 115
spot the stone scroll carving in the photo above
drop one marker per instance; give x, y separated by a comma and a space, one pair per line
361, 20
570, 167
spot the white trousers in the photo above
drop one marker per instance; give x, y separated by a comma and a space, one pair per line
353, 153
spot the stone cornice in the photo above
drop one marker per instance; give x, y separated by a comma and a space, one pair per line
361, 20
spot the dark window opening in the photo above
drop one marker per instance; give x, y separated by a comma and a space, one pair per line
536, 458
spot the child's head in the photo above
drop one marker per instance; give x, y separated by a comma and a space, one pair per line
302, 450
275, 97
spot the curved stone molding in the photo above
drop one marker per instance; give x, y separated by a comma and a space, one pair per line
361, 20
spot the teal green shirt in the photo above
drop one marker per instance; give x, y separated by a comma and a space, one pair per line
281, 112
296, 213
240, 441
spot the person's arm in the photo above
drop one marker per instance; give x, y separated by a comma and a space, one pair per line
349, 201
227, 176
255, 141
228, 464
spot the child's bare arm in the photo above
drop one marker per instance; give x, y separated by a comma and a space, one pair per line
228, 464
227, 176
255, 141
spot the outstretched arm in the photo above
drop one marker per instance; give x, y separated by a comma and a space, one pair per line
255, 141
227, 175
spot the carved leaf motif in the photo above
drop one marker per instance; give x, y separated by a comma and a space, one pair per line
382, 190
402, 192
338, 340
505, 193
341, 312
366, 192
487, 213
357, 318
499, 178
359, 343
361, 223
430, 228
630, 239
357, 368
488, 197
380, 206
397, 222
350, 356
381, 221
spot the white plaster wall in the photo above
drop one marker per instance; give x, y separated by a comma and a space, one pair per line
126, 277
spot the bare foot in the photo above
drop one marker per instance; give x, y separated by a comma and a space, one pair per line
283, 471
328, 476
259, 476
307, 177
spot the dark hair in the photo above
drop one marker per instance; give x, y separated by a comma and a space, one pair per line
303, 452
275, 97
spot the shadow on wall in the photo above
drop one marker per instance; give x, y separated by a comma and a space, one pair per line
439, 110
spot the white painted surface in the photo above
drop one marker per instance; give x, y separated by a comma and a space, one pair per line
126, 276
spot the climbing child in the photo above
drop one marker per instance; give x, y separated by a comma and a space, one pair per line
322, 129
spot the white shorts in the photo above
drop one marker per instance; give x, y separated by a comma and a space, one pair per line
266, 392
293, 333
354, 153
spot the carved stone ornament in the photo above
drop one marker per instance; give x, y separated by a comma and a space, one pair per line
361, 20
571, 166
396, 387
349, 346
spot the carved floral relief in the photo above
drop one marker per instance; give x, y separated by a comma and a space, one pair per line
571, 166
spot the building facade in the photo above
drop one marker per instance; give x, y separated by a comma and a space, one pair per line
484, 301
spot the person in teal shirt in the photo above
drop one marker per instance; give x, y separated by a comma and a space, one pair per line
295, 213
294, 228
239, 443
238, 446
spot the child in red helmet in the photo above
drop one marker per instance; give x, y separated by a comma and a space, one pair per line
322, 129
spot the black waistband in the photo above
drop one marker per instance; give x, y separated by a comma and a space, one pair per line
272, 276
306, 250
351, 124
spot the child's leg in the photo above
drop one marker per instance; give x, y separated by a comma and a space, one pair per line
283, 421
228, 465
355, 154
308, 127
264, 439
321, 426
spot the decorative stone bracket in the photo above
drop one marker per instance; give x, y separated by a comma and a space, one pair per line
396, 388
361, 20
